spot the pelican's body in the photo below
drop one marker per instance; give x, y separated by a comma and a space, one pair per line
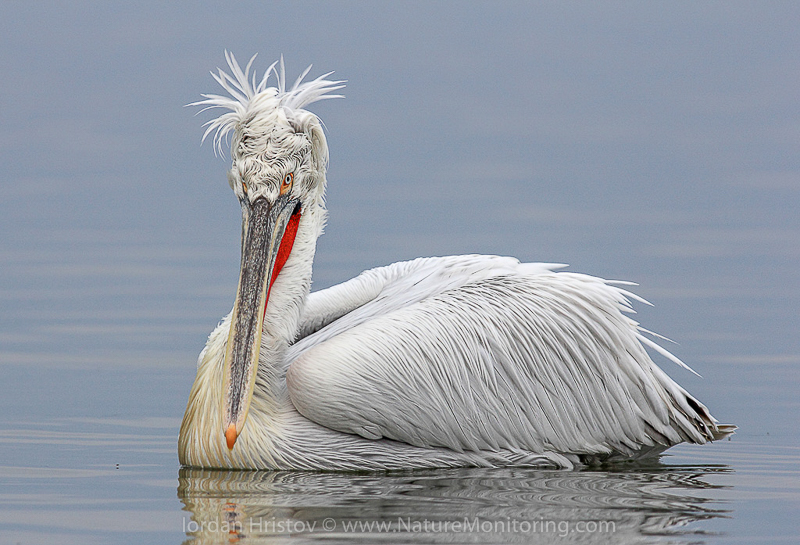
453, 361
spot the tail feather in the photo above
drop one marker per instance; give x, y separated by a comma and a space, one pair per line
723, 431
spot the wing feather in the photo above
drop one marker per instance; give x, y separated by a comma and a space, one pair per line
478, 355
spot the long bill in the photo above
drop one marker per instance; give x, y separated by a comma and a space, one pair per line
268, 232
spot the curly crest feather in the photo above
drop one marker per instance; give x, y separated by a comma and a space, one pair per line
247, 96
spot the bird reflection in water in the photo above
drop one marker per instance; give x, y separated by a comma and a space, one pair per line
642, 504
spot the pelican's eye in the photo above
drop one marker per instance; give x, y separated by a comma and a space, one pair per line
286, 185
244, 188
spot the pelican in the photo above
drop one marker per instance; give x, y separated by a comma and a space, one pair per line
453, 361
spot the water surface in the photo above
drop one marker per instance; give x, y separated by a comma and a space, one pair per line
117, 480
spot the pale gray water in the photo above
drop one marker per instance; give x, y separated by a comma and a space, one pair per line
652, 144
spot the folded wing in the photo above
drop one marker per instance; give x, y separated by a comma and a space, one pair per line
520, 358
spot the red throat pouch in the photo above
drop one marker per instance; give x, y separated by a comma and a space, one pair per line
284, 250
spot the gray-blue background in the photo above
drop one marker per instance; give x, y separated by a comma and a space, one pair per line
654, 142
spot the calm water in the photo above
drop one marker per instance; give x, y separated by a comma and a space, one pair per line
640, 141
87, 480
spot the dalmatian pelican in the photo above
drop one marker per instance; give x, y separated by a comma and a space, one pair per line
437, 362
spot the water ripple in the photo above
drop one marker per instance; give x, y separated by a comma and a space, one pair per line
516, 505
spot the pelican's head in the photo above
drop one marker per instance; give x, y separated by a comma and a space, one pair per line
279, 156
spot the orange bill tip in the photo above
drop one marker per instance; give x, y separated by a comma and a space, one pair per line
231, 436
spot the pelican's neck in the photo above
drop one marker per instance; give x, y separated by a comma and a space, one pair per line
286, 301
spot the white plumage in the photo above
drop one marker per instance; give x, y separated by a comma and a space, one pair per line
452, 361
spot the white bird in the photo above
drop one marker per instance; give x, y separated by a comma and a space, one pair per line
436, 362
